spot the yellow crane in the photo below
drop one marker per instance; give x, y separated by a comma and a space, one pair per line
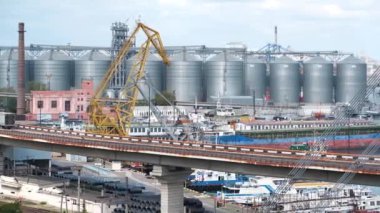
114, 116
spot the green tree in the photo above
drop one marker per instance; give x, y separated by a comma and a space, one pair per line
8, 103
36, 86
11, 208
161, 100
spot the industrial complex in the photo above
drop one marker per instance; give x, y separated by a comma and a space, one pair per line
145, 127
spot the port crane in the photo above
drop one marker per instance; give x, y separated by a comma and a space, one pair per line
114, 116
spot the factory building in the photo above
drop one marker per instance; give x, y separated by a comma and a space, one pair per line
50, 105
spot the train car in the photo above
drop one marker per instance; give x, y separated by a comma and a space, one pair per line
7, 120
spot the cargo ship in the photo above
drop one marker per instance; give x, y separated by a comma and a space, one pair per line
349, 136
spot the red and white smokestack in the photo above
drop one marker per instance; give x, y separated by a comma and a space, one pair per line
21, 71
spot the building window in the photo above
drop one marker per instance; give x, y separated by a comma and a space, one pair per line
81, 107
67, 106
40, 104
53, 104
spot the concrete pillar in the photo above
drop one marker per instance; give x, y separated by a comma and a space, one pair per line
172, 182
49, 168
1, 160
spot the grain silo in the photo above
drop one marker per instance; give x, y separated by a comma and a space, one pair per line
54, 69
255, 77
223, 75
351, 79
9, 69
284, 81
184, 76
154, 68
91, 66
318, 81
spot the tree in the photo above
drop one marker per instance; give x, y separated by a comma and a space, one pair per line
11, 208
161, 101
8, 104
36, 86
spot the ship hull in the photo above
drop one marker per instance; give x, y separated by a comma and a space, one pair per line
340, 142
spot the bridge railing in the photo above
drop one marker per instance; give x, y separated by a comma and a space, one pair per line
259, 156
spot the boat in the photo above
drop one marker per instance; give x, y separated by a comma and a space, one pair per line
348, 136
208, 180
303, 196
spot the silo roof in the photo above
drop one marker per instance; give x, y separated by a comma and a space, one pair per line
221, 57
317, 60
95, 56
14, 55
186, 56
284, 60
151, 57
351, 60
56, 55
254, 59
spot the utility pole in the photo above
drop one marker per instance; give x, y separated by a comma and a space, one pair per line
48, 77
40, 105
78, 190
149, 101
254, 103
63, 192
174, 107
78, 168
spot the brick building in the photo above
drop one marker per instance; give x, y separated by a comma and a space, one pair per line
51, 104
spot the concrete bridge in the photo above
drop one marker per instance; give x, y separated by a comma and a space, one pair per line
174, 160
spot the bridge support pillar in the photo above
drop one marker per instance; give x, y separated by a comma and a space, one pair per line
172, 182
1, 160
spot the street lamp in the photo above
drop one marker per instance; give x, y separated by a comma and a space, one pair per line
40, 105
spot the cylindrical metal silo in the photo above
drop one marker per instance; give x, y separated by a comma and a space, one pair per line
91, 66
184, 76
54, 69
9, 69
255, 77
351, 78
318, 81
154, 68
224, 76
284, 81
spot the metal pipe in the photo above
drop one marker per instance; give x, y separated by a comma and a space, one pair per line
21, 71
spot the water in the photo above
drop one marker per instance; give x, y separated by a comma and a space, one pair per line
375, 190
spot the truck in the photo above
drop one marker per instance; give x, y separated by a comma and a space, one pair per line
7, 120
303, 147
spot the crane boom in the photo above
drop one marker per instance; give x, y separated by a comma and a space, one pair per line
118, 118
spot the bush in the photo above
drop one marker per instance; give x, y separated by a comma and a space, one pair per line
11, 208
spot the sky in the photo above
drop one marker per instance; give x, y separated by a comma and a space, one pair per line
345, 25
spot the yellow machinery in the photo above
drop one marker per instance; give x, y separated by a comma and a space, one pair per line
114, 116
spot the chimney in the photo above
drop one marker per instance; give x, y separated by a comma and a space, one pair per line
21, 71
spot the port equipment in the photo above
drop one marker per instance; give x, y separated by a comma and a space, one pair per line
114, 116
297, 172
